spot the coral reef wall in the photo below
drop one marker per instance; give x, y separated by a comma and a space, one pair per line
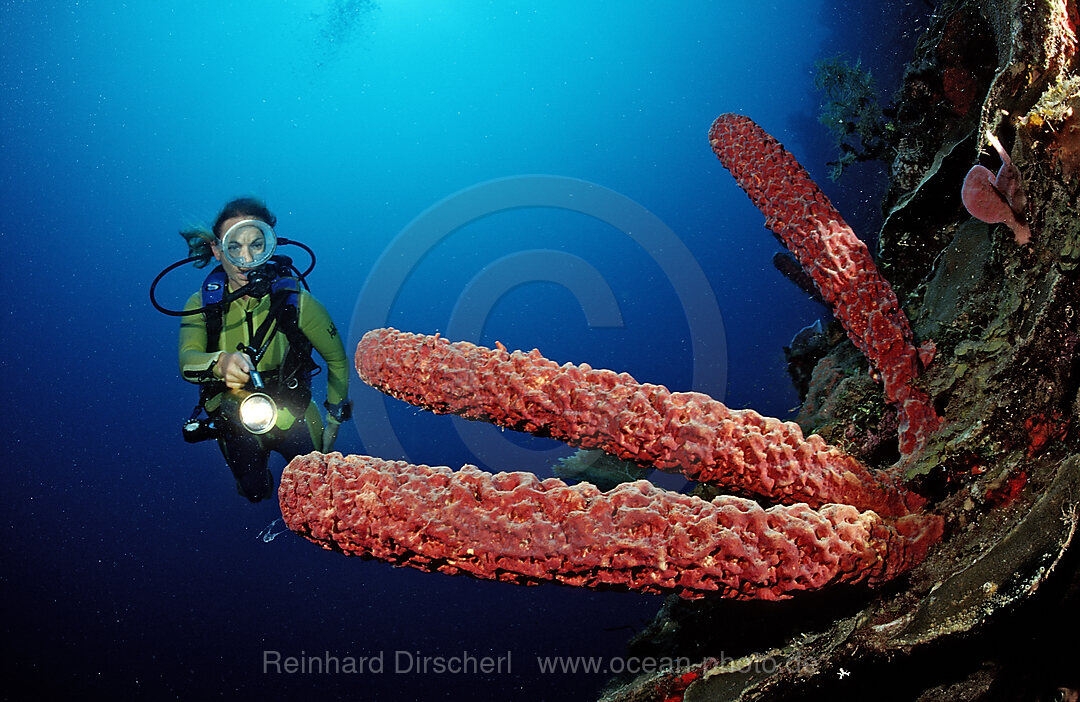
976, 620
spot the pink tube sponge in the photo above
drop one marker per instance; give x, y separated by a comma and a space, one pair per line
835, 259
594, 408
516, 528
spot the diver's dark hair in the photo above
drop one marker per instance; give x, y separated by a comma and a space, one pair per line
248, 207
199, 239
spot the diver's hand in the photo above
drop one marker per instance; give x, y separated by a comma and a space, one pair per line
329, 435
234, 368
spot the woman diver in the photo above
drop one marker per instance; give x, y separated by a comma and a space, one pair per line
246, 339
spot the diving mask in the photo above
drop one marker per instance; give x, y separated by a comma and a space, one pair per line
249, 243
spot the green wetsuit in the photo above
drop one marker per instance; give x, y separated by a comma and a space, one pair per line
242, 318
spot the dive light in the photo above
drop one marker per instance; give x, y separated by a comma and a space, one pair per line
256, 411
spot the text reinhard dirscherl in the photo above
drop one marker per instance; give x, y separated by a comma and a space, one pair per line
398, 662
468, 663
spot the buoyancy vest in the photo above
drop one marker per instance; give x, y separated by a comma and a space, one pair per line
290, 383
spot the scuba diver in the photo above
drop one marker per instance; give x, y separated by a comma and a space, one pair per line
246, 338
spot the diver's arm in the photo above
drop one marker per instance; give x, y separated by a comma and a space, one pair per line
196, 363
317, 326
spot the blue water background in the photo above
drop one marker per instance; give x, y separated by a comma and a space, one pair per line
130, 566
